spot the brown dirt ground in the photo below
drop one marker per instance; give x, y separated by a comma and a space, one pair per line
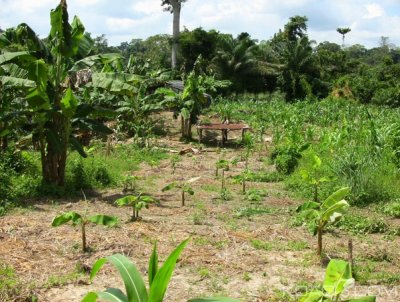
220, 259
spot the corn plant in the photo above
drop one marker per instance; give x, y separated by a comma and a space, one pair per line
82, 221
338, 277
223, 165
319, 215
185, 187
135, 287
137, 203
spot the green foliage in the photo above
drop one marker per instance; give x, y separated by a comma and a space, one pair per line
338, 278
135, 287
10, 285
82, 221
184, 186
286, 157
358, 224
253, 211
137, 203
392, 209
319, 215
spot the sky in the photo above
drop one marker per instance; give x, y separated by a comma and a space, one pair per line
124, 20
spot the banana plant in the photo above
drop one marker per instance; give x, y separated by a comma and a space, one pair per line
319, 215
82, 221
313, 177
48, 75
137, 203
338, 278
242, 178
135, 287
185, 187
223, 165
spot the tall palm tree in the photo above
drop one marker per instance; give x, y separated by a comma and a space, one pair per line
235, 59
174, 6
299, 71
343, 31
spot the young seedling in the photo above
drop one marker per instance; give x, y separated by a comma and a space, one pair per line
338, 277
137, 203
82, 221
319, 215
314, 178
248, 143
135, 287
224, 166
185, 187
242, 178
174, 161
130, 183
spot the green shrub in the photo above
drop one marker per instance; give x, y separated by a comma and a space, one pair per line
286, 157
392, 209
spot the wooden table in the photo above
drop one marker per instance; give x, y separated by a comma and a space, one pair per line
225, 128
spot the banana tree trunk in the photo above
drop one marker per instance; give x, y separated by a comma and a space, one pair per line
186, 128
54, 152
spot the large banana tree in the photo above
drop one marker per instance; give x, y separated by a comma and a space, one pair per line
48, 73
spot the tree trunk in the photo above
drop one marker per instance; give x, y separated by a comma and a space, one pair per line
54, 151
187, 128
183, 198
176, 10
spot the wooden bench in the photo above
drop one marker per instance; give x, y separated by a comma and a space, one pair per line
224, 128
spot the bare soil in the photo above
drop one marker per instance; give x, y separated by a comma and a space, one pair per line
222, 258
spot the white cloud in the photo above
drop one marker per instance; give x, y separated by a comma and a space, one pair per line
368, 19
147, 7
373, 11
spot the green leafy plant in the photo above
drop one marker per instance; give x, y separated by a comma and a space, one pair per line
82, 221
313, 177
129, 183
319, 215
338, 277
242, 178
137, 203
223, 165
185, 187
174, 162
135, 287
248, 142
286, 157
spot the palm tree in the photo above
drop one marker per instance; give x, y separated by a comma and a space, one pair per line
174, 6
235, 60
343, 31
296, 77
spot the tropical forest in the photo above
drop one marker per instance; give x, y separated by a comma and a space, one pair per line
198, 165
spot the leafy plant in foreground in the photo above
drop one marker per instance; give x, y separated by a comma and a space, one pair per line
136, 202
184, 186
136, 291
338, 277
319, 215
82, 221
